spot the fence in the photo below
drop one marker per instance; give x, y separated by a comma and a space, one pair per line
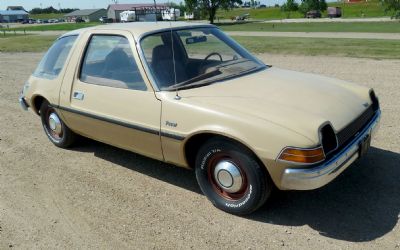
5, 32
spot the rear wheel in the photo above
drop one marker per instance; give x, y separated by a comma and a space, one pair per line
55, 129
231, 178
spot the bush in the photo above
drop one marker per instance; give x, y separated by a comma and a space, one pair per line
307, 5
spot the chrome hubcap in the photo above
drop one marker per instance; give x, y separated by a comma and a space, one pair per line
55, 123
228, 177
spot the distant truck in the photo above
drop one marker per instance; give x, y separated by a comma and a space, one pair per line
128, 16
334, 12
242, 17
105, 19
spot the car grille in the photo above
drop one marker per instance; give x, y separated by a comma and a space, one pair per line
351, 130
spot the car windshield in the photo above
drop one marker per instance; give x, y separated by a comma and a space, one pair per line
187, 58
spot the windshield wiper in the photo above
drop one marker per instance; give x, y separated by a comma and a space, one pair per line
204, 76
229, 76
217, 70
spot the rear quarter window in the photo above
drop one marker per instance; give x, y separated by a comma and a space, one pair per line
53, 61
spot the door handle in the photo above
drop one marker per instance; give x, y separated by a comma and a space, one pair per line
78, 95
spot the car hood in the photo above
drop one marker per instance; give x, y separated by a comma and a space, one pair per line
297, 101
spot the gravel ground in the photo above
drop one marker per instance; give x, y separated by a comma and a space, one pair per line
98, 196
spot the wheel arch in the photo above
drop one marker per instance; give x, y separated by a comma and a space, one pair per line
37, 102
195, 141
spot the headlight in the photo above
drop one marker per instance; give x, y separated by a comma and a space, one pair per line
302, 155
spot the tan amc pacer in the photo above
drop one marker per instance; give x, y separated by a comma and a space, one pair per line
188, 94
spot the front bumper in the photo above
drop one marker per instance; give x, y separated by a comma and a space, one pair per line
318, 176
23, 103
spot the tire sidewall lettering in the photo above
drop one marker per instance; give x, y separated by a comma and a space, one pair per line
207, 156
241, 203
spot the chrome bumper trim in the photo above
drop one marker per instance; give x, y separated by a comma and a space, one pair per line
315, 177
23, 103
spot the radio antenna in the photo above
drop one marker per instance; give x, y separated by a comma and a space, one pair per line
155, 9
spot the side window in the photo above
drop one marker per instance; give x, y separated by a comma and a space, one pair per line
54, 60
108, 61
149, 43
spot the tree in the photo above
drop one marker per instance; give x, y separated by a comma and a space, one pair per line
210, 7
50, 10
307, 5
289, 6
392, 5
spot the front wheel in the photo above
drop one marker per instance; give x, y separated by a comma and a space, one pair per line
55, 129
231, 178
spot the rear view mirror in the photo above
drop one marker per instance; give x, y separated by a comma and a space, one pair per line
185, 33
196, 39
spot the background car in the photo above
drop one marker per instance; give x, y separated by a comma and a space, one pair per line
79, 20
313, 14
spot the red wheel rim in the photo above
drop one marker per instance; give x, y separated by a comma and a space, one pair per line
212, 163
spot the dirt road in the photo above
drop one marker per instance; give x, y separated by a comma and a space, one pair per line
333, 35
97, 196
332, 20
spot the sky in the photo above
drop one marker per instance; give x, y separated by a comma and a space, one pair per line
86, 4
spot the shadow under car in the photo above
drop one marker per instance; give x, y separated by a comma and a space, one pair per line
362, 204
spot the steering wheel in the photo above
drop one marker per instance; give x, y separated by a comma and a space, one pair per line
213, 54
202, 67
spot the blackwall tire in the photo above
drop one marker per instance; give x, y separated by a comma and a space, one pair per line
54, 127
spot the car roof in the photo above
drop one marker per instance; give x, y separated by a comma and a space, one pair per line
140, 28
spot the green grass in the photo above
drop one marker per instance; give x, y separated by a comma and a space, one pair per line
60, 26
8, 35
377, 49
28, 43
47, 16
362, 9
378, 27
372, 8
267, 13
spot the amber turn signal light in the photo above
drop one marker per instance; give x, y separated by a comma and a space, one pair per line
300, 155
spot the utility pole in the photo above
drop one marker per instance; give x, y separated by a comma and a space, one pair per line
155, 9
